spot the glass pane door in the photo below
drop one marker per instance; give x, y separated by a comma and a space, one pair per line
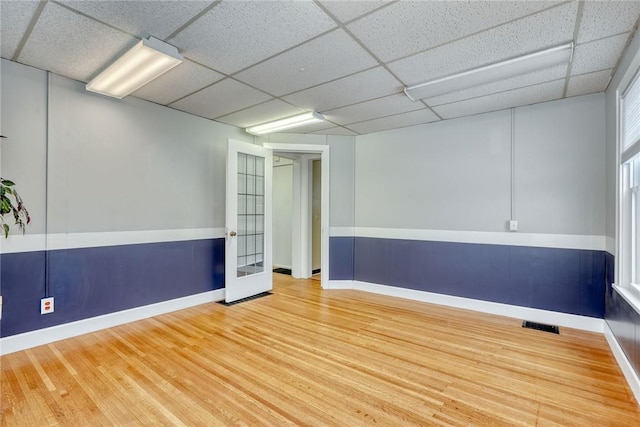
250, 215
247, 258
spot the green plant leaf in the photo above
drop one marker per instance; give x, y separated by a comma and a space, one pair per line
12, 206
5, 206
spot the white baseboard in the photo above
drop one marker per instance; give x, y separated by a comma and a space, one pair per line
339, 284
591, 324
31, 339
628, 371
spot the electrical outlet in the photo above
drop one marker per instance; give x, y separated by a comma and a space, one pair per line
513, 225
46, 305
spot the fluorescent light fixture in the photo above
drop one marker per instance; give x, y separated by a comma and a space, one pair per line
492, 73
142, 63
288, 123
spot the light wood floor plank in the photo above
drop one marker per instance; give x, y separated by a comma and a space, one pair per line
308, 357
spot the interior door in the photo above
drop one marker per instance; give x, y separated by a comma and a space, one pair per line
248, 217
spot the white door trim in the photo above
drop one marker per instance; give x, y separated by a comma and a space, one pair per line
307, 151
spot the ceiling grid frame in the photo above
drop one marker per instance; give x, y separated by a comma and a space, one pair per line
616, 19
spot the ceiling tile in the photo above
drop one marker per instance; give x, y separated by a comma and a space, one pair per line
180, 81
310, 128
88, 45
16, 16
588, 83
269, 111
233, 36
141, 18
405, 28
602, 19
598, 55
536, 32
500, 101
537, 77
392, 122
347, 10
359, 87
315, 62
335, 131
220, 99
380, 107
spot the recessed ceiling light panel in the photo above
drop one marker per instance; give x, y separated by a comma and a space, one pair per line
288, 123
491, 73
144, 62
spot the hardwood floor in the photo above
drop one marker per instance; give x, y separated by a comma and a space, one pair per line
304, 356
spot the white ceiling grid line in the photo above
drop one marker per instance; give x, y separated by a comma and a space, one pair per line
15, 19
72, 45
546, 29
140, 18
306, 65
251, 61
233, 36
406, 28
500, 101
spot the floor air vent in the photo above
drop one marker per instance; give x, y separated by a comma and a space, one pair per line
252, 297
282, 271
540, 327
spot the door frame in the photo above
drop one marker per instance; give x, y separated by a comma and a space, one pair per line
302, 189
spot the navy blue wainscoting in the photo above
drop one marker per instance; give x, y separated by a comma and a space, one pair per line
341, 258
89, 282
623, 320
563, 280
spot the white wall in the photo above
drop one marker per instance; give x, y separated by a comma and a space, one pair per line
282, 211
114, 165
455, 174
23, 121
560, 170
451, 175
132, 165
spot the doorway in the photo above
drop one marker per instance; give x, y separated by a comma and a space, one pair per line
303, 218
282, 214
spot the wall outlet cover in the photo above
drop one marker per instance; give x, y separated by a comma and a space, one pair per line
513, 225
46, 305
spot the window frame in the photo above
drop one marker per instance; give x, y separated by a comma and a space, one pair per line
627, 273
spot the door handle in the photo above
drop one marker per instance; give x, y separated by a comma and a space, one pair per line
233, 234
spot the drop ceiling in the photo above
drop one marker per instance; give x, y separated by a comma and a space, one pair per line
247, 62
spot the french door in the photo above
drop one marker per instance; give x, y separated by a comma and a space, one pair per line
248, 221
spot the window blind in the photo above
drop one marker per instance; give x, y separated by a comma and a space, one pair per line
631, 114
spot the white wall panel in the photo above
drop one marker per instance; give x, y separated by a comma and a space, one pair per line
560, 167
455, 174
342, 180
23, 121
127, 165
450, 175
